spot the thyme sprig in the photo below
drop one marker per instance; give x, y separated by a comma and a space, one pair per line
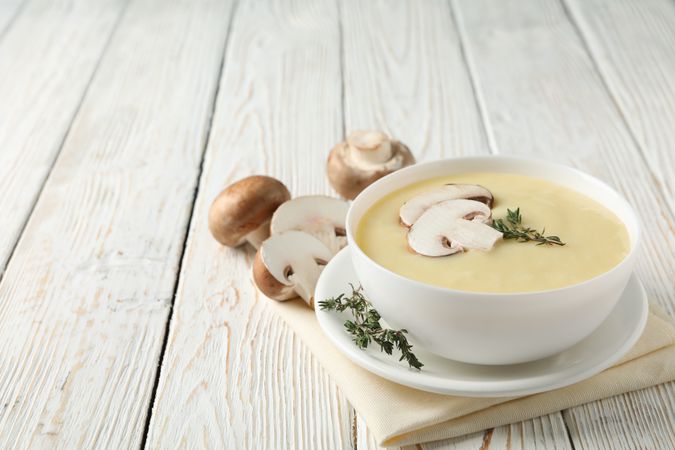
512, 228
366, 327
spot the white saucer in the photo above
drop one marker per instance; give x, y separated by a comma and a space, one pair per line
617, 334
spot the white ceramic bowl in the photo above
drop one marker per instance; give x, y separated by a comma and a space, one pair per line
493, 328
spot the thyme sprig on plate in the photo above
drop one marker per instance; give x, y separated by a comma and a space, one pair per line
366, 327
512, 228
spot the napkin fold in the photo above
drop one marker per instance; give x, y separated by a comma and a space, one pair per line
398, 415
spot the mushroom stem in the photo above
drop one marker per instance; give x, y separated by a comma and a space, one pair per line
257, 236
370, 147
304, 285
372, 157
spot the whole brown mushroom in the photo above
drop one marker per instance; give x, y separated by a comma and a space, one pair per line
242, 212
362, 159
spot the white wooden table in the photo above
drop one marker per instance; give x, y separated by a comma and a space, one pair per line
123, 324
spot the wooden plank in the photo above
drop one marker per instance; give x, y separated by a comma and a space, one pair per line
239, 377
404, 73
9, 10
85, 299
644, 419
632, 45
42, 83
545, 432
543, 96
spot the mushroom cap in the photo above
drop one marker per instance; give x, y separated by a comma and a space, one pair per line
288, 264
244, 207
268, 284
452, 226
362, 159
319, 215
412, 209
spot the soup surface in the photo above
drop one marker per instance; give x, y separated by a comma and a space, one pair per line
595, 238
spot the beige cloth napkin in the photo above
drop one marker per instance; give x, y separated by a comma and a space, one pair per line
398, 415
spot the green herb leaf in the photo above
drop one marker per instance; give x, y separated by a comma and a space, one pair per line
366, 327
512, 228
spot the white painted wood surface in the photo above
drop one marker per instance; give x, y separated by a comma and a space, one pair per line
528, 58
543, 97
239, 376
42, 81
633, 46
415, 85
9, 10
643, 419
405, 74
85, 300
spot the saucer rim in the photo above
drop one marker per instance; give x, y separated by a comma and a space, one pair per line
447, 386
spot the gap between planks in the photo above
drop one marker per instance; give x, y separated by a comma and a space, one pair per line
473, 78
200, 171
154, 302
246, 405
197, 187
354, 429
597, 68
61, 144
602, 76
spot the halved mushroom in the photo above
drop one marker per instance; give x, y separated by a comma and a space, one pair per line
319, 215
453, 226
288, 265
242, 212
412, 209
363, 158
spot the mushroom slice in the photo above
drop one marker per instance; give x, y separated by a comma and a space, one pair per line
319, 215
363, 158
415, 207
288, 264
453, 226
242, 212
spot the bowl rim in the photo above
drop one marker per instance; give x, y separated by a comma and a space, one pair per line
634, 244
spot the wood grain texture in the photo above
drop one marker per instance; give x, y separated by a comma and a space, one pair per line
543, 96
545, 432
239, 376
47, 58
643, 419
404, 72
633, 46
84, 300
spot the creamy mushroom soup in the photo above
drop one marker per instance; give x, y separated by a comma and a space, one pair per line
595, 239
